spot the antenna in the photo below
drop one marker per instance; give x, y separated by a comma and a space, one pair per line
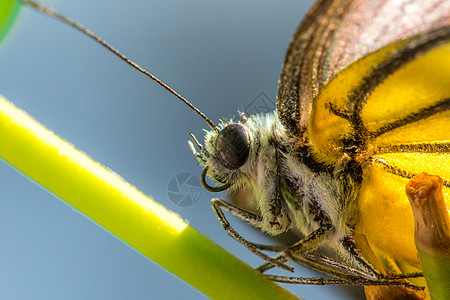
53, 13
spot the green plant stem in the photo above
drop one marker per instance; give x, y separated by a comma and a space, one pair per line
128, 214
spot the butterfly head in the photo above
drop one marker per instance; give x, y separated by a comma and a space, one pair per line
225, 155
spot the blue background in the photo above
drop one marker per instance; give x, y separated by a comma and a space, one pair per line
219, 54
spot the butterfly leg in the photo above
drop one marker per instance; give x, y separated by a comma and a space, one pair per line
355, 281
251, 218
308, 243
346, 275
273, 248
341, 270
316, 262
327, 265
343, 273
367, 269
355, 255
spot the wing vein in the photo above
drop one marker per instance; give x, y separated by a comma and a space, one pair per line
433, 147
424, 113
390, 168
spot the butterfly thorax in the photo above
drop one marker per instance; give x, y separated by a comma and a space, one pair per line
291, 189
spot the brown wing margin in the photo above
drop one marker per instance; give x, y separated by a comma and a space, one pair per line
297, 88
335, 34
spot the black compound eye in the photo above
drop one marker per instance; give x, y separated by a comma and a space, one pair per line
233, 146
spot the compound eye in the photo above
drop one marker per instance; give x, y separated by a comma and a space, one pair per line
233, 146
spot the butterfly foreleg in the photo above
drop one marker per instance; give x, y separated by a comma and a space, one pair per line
252, 219
355, 281
308, 243
327, 265
342, 273
346, 275
367, 269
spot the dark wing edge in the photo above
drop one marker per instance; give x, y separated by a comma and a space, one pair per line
335, 34
295, 92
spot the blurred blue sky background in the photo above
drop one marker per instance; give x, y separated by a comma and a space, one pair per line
221, 55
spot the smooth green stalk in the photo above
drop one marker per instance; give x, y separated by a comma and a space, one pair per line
121, 209
437, 273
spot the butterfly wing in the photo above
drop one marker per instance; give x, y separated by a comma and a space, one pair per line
336, 33
368, 50
392, 111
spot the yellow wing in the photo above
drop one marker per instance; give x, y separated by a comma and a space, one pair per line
391, 111
336, 33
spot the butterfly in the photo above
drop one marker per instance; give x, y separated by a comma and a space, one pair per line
329, 124
363, 106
